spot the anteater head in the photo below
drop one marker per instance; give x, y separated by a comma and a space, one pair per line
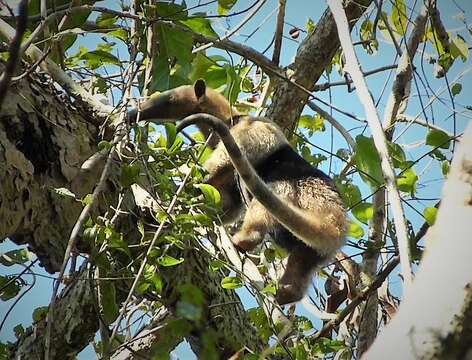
175, 104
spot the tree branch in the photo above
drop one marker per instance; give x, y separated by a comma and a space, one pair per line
14, 50
352, 66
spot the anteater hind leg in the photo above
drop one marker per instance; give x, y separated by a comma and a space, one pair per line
256, 224
299, 267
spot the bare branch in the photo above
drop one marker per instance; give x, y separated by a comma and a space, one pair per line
335, 124
234, 30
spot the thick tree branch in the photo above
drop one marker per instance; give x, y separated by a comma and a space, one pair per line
435, 317
313, 55
352, 66
58, 74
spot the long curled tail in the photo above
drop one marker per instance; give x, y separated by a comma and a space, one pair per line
306, 225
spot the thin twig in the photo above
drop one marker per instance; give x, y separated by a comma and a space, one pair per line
234, 30
335, 123
327, 85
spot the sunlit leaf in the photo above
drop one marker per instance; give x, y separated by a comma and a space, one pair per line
210, 193
231, 282
355, 230
398, 16
40, 313
168, 260
64, 192
429, 214
459, 48
225, 5
200, 25
406, 180
363, 212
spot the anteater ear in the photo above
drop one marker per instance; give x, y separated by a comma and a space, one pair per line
200, 88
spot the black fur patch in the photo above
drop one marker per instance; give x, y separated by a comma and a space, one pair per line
286, 164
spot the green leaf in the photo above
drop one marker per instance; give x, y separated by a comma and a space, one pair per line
215, 265
9, 291
270, 289
96, 58
64, 192
398, 16
312, 123
438, 138
170, 134
456, 89
143, 287
105, 20
13, 257
19, 330
87, 199
168, 260
40, 313
406, 181
108, 300
175, 43
121, 34
350, 193
396, 154
225, 5
355, 230
459, 48
429, 214
231, 282
104, 145
200, 25
204, 67
366, 34
210, 193
445, 167
310, 25
115, 241
368, 162
233, 87
129, 174
363, 212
